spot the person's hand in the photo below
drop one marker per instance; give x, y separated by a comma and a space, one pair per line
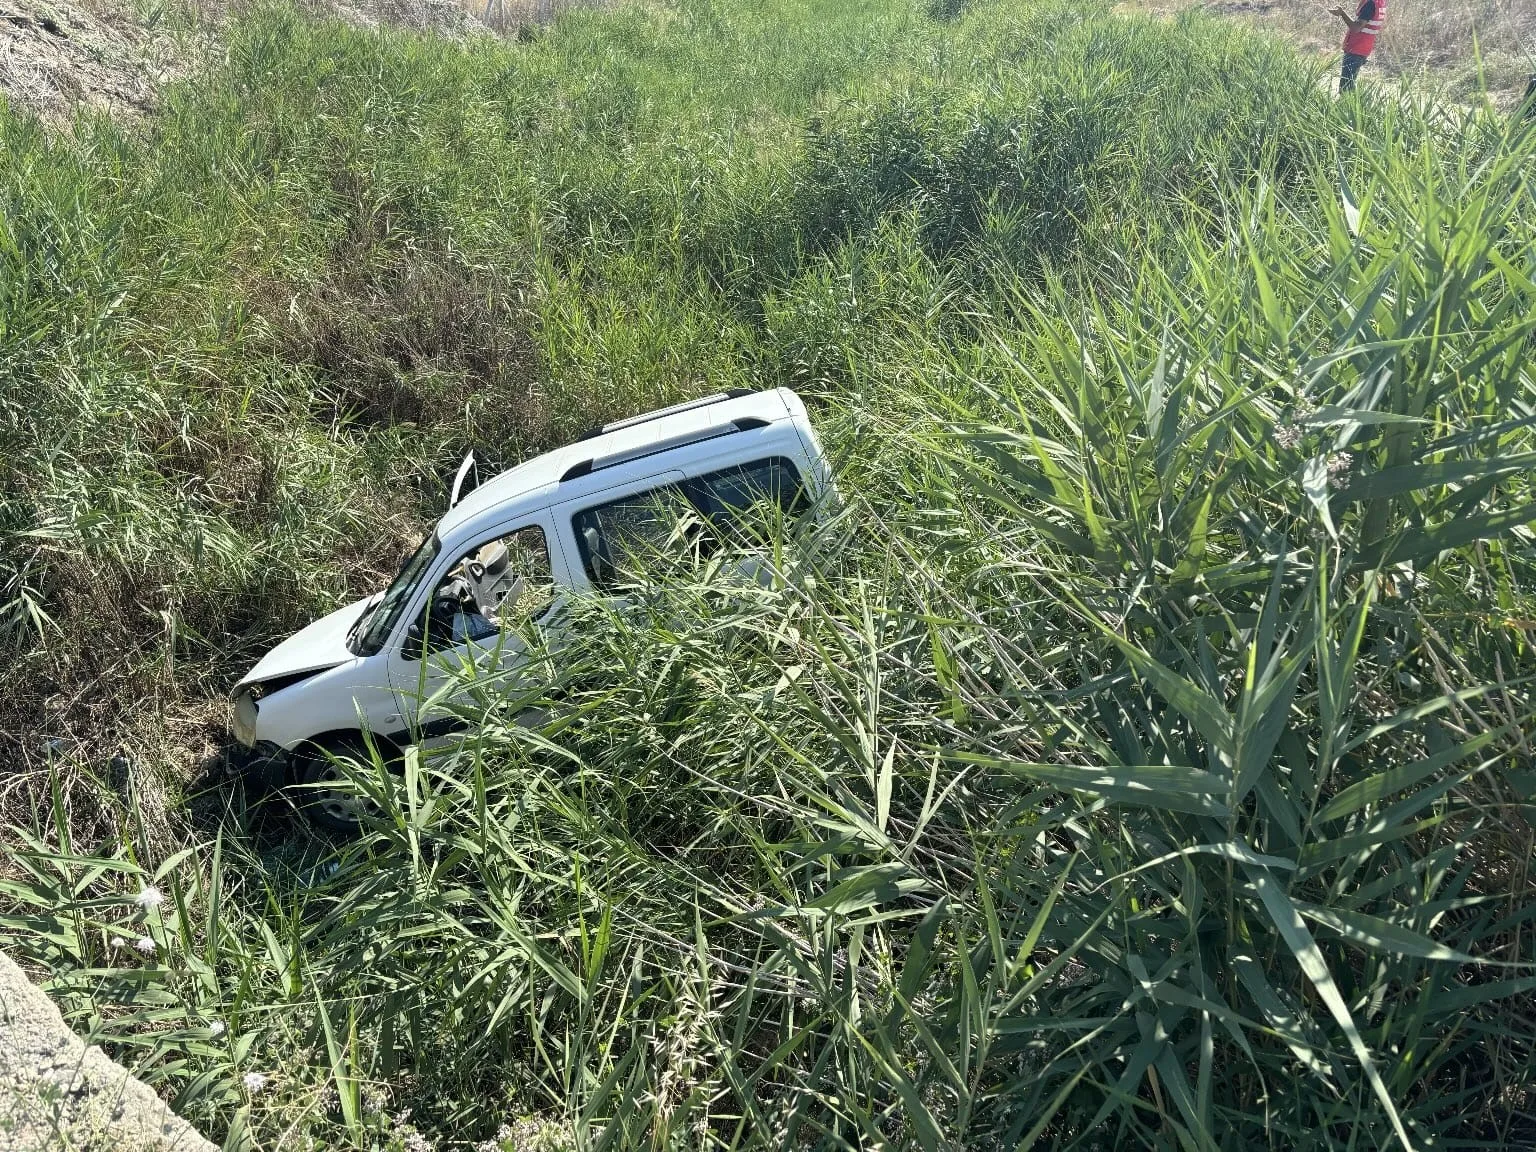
1339, 12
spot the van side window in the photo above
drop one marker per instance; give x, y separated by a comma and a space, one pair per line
497, 584
725, 496
695, 516
613, 537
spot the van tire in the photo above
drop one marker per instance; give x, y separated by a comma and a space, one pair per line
314, 766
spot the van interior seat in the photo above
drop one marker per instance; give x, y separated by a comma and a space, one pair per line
488, 577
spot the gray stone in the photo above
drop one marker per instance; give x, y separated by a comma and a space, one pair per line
57, 1095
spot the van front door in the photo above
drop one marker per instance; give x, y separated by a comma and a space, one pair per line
465, 649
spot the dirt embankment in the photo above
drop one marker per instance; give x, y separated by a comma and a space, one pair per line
106, 55
1468, 46
55, 56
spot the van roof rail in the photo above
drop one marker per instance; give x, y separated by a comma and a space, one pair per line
598, 463
644, 418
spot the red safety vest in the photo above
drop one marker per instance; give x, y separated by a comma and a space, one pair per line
1360, 43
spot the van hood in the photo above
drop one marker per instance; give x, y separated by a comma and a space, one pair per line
319, 646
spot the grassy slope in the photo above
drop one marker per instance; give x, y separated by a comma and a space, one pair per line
1055, 279
313, 281
416, 246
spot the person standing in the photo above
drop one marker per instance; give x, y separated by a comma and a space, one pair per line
1367, 24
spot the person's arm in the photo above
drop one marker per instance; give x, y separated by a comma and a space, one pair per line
1367, 14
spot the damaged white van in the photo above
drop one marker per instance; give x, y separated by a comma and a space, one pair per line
506, 556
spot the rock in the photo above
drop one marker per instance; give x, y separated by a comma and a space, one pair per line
119, 772
56, 1094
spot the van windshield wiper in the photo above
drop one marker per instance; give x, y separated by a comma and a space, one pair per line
361, 623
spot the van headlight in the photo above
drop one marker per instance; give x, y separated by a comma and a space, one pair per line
245, 718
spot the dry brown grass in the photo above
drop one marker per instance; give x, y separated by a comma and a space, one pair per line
513, 15
55, 56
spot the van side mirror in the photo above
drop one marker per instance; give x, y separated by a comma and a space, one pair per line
411, 649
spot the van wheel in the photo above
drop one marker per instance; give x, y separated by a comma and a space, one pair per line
336, 809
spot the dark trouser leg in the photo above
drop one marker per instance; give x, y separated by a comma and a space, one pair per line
1352, 64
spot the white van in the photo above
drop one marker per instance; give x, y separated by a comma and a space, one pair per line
505, 556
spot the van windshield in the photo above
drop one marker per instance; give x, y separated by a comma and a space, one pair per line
373, 629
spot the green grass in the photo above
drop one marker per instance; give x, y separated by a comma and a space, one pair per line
1139, 759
